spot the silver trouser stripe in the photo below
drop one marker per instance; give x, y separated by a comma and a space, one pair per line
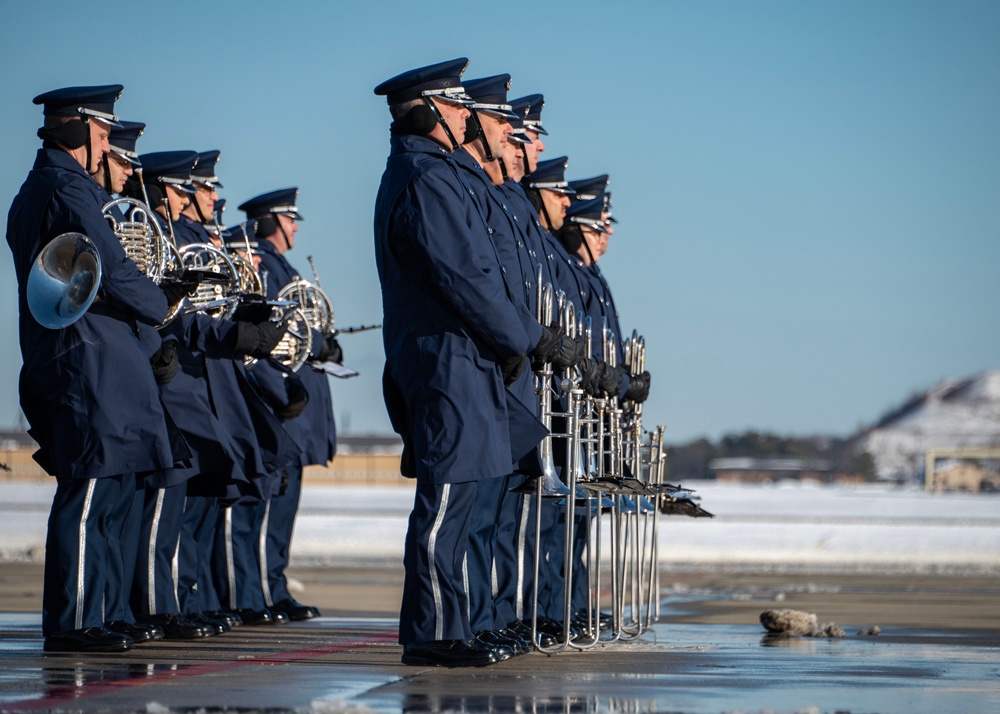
262, 552
435, 584
521, 532
175, 573
465, 583
494, 582
82, 552
230, 566
151, 552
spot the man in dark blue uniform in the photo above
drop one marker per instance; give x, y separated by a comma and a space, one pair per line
274, 216
87, 389
585, 235
256, 437
208, 406
115, 169
484, 164
453, 338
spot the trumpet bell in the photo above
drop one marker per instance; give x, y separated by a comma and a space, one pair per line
64, 280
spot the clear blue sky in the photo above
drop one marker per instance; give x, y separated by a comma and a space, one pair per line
808, 191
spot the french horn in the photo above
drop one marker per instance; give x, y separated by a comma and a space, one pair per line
140, 236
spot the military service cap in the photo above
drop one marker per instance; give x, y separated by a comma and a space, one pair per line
123, 139
443, 80
97, 102
280, 201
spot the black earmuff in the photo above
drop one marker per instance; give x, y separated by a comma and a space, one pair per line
571, 237
420, 120
265, 226
72, 134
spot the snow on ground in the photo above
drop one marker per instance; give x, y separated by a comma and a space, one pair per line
788, 526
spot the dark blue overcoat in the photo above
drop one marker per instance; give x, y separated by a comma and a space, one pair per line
86, 390
237, 441
314, 430
447, 319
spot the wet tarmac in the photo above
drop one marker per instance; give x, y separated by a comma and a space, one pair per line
346, 664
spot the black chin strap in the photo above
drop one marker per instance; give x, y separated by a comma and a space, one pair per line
586, 247
288, 243
487, 151
503, 170
107, 174
197, 208
545, 212
442, 122
90, 149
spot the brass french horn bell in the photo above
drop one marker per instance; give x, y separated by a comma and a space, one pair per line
63, 281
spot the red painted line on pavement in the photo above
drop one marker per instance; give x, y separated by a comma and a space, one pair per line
62, 694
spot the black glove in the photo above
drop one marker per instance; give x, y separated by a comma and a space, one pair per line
331, 351
258, 340
255, 311
512, 368
590, 376
557, 348
638, 388
610, 379
298, 397
176, 289
164, 362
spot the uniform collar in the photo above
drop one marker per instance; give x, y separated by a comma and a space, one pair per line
400, 143
57, 158
266, 246
464, 158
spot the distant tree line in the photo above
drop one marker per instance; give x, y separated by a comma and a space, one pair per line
691, 460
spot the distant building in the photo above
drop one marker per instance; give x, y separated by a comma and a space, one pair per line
954, 415
750, 470
964, 476
369, 459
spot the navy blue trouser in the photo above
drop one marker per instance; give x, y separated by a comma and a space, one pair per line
77, 576
237, 569
506, 557
278, 523
124, 551
435, 604
153, 589
479, 573
195, 589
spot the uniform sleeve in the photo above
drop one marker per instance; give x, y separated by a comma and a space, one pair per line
433, 219
121, 281
198, 332
269, 383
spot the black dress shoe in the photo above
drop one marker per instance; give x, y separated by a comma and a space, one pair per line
521, 645
523, 628
227, 616
90, 639
503, 646
262, 617
220, 627
580, 619
138, 633
449, 653
557, 628
177, 627
296, 611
